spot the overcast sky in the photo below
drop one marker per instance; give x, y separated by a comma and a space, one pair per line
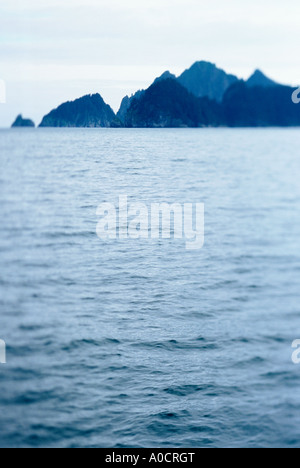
55, 50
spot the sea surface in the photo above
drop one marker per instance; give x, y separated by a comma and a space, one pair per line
143, 343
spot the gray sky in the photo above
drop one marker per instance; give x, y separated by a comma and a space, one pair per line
56, 50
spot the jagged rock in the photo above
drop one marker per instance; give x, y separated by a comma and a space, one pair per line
205, 79
168, 104
259, 79
88, 111
20, 122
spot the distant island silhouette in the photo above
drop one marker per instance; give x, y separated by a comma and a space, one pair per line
21, 122
203, 96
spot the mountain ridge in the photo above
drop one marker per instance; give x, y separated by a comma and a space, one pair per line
205, 79
87, 111
167, 104
212, 84
258, 78
203, 95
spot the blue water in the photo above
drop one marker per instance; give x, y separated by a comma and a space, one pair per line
138, 343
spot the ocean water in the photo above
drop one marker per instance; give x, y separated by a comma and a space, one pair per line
142, 343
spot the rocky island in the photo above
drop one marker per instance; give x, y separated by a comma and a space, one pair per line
88, 111
203, 96
20, 122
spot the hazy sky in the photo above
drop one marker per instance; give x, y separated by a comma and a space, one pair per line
56, 50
